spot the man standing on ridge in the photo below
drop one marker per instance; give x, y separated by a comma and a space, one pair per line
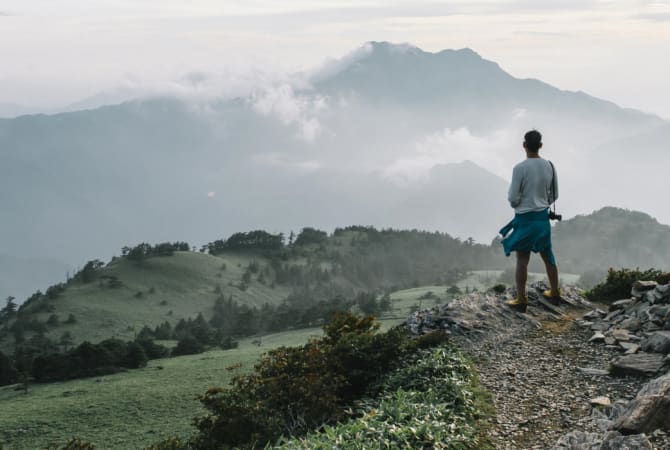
534, 187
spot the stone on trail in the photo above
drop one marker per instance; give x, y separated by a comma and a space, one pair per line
600, 326
638, 364
601, 401
612, 315
597, 337
640, 287
629, 347
621, 304
631, 324
621, 335
594, 314
658, 342
649, 411
592, 371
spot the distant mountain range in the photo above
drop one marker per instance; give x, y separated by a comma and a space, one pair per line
381, 138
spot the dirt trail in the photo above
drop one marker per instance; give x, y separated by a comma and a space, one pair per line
539, 367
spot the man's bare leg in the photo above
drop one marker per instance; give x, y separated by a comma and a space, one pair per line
552, 274
522, 259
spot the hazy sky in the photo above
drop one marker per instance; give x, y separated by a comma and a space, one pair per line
57, 52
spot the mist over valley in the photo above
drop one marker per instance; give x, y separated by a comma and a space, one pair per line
389, 136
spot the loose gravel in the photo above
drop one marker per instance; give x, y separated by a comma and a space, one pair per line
542, 382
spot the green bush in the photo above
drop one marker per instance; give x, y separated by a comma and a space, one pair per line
188, 345
499, 288
429, 403
294, 390
619, 283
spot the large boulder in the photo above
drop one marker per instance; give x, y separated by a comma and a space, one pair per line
650, 410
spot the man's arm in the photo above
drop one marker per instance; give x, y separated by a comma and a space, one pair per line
554, 188
514, 193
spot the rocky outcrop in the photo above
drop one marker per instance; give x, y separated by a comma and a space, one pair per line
639, 326
470, 316
650, 410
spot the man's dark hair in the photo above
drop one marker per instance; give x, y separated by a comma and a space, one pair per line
533, 141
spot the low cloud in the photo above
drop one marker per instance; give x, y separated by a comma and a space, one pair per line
290, 108
494, 152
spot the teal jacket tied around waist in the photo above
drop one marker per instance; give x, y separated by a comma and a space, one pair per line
530, 232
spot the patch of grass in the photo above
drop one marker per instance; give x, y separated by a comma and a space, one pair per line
131, 409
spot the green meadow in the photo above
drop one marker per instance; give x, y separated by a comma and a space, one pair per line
131, 409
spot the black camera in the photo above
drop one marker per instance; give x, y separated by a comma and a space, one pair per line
554, 216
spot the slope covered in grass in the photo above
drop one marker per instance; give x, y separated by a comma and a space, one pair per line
150, 292
131, 409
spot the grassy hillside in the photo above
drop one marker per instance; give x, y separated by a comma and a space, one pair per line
152, 291
139, 407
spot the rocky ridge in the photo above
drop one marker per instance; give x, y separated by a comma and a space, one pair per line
555, 382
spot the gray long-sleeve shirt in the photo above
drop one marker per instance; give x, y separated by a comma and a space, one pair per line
531, 188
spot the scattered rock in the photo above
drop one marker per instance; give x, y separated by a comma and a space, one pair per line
639, 364
578, 440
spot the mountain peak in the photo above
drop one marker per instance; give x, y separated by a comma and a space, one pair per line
382, 70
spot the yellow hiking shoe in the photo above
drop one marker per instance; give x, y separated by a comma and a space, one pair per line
554, 299
519, 304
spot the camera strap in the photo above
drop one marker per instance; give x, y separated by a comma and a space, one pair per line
553, 186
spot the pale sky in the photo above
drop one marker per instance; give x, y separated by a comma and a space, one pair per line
53, 53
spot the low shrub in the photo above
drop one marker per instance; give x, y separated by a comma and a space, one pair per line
619, 283
429, 403
499, 288
188, 345
294, 390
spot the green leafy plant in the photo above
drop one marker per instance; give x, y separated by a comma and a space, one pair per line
428, 403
